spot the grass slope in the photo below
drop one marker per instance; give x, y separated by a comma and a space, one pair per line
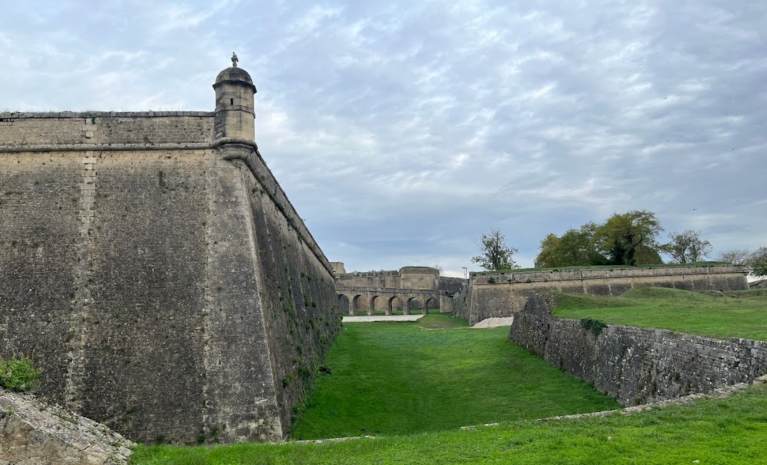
723, 431
738, 314
436, 374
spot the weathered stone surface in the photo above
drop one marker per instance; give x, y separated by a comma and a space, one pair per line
408, 288
761, 284
158, 274
35, 433
499, 295
637, 365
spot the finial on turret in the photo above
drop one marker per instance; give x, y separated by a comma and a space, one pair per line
234, 60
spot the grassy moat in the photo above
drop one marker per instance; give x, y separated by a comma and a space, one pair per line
411, 385
432, 375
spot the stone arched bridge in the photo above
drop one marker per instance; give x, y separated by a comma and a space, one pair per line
370, 300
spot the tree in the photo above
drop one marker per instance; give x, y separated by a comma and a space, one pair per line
577, 248
547, 257
495, 254
574, 248
757, 262
648, 256
735, 256
619, 238
686, 247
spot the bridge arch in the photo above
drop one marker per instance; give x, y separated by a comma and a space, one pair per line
432, 303
394, 304
355, 304
413, 303
344, 304
373, 304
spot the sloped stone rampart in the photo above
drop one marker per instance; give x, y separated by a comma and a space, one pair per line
173, 294
35, 433
637, 365
499, 295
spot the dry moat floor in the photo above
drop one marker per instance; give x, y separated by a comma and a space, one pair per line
413, 384
432, 375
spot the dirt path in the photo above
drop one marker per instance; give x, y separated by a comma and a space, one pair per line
365, 319
494, 322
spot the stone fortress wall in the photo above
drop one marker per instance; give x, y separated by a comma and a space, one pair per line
50, 131
499, 295
156, 271
637, 365
406, 289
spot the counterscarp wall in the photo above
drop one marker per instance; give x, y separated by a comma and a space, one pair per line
636, 365
493, 295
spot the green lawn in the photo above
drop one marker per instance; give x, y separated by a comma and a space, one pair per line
435, 374
738, 314
710, 431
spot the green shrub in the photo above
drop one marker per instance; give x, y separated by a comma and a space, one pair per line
595, 326
19, 375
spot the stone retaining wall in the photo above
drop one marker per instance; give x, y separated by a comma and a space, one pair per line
636, 365
499, 295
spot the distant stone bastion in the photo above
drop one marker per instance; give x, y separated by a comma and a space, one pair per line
407, 289
502, 294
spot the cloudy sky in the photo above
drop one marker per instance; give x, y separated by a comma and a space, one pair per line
402, 130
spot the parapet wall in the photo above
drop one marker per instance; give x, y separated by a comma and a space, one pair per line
490, 295
410, 277
169, 293
27, 130
637, 365
451, 285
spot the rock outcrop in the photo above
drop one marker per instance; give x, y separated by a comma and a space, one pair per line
35, 433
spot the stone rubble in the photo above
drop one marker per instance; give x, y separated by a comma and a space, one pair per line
33, 432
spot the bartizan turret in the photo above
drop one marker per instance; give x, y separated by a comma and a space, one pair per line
235, 110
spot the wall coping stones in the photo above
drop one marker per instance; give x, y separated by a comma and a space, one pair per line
601, 273
370, 274
104, 147
103, 114
418, 270
388, 289
258, 167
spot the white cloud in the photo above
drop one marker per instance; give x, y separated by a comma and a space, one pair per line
401, 130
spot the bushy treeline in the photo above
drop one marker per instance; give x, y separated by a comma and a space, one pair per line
632, 239
628, 239
623, 239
